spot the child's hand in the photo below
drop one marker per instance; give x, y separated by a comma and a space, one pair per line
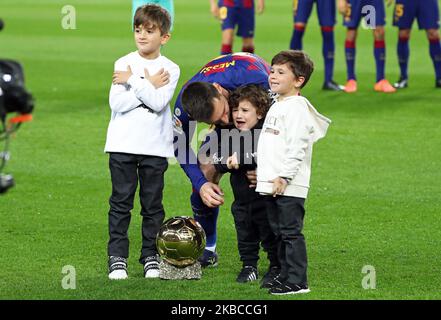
159, 79
279, 186
342, 6
232, 162
120, 77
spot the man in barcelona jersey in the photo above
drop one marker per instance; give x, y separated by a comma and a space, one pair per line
204, 98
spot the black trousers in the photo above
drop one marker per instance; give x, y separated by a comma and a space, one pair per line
126, 170
253, 230
285, 216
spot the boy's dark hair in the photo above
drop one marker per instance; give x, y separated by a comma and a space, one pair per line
197, 100
298, 61
152, 16
254, 94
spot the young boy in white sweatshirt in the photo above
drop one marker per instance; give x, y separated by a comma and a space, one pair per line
140, 139
284, 153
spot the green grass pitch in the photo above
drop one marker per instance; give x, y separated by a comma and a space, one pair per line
373, 198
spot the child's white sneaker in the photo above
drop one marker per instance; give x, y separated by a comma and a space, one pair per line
117, 268
151, 267
118, 275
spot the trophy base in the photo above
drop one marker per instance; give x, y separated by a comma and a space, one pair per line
170, 272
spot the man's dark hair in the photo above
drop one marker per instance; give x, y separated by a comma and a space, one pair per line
152, 16
254, 94
197, 100
298, 61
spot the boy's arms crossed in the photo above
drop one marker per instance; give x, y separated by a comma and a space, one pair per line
156, 98
128, 91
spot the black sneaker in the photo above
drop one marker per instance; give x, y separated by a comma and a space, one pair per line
151, 267
117, 268
401, 84
208, 259
270, 275
332, 86
247, 274
287, 288
438, 83
276, 281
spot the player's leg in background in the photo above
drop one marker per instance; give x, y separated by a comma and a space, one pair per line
351, 20
428, 19
301, 12
403, 53
379, 52
227, 16
435, 53
227, 41
350, 54
382, 84
403, 16
246, 27
326, 14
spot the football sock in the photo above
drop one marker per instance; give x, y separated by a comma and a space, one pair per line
403, 55
207, 217
380, 58
248, 49
435, 54
328, 51
226, 49
350, 59
296, 39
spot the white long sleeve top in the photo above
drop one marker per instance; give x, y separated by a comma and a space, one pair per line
141, 120
284, 149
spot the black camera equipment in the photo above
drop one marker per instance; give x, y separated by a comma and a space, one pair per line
13, 98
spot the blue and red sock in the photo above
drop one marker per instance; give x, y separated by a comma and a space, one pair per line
249, 49
328, 51
380, 58
435, 54
403, 53
226, 49
296, 39
350, 59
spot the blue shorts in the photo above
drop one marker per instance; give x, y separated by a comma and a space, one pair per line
325, 11
238, 16
367, 9
427, 13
